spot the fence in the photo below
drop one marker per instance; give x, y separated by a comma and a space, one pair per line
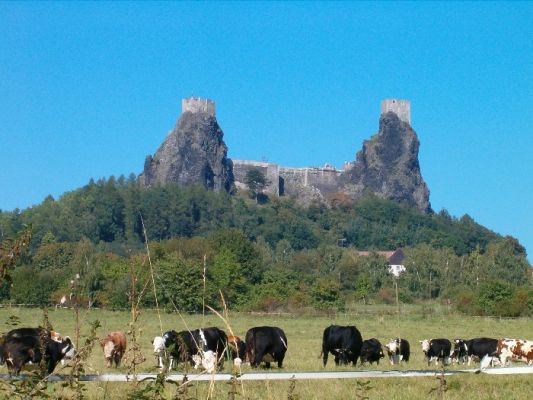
283, 376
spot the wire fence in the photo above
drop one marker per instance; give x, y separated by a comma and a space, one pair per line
378, 311
281, 376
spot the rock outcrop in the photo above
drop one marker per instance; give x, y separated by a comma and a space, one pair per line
193, 153
387, 166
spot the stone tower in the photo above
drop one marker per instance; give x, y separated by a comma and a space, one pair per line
402, 108
197, 104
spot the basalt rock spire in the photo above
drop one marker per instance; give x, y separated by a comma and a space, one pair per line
193, 153
387, 166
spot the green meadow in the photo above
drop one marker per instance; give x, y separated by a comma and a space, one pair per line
304, 334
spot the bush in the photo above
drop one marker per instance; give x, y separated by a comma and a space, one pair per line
326, 295
386, 296
33, 287
494, 298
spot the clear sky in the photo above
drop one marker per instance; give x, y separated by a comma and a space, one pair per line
87, 90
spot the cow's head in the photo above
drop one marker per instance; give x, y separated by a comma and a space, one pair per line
343, 356
109, 350
159, 344
392, 347
67, 349
426, 343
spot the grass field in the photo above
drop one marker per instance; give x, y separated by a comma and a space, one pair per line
304, 341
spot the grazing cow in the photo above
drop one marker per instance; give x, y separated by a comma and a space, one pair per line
437, 349
59, 338
159, 350
236, 349
514, 350
371, 351
466, 350
344, 342
182, 346
266, 344
25, 346
114, 347
398, 349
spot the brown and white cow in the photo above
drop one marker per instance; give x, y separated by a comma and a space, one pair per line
237, 350
114, 347
514, 350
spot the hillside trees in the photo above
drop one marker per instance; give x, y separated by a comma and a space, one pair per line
266, 256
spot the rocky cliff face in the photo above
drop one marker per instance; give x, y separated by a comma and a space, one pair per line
193, 153
388, 167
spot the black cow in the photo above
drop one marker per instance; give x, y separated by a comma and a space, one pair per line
344, 342
185, 346
236, 348
437, 349
32, 345
399, 349
466, 350
265, 344
371, 351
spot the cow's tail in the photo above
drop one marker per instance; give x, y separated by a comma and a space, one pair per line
283, 341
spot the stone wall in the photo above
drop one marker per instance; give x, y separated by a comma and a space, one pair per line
270, 171
323, 179
288, 181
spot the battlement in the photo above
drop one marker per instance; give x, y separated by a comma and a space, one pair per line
197, 104
402, 108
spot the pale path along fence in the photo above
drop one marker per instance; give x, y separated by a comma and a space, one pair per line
283, 376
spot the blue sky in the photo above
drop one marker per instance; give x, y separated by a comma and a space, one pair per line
87, 90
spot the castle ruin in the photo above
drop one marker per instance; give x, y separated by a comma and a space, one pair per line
194, 153
402, 108
287, 181
197, 104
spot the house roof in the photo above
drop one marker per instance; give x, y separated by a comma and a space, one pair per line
395, 257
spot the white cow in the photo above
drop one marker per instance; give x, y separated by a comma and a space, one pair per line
159, 350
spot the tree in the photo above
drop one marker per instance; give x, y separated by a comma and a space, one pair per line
362, 287
326, 294
256, 182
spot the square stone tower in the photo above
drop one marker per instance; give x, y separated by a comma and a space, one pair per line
197, 104
402, 108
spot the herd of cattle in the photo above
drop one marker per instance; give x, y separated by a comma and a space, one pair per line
207, 348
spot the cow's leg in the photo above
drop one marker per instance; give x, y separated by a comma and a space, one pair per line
325, 354
258, 357
354, 361
280, 358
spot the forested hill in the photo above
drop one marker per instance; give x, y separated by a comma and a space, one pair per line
110, 211
265, 246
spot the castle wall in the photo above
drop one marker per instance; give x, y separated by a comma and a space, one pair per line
270, 171
197, 104
402, 108
324, 179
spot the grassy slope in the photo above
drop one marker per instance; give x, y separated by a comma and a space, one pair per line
304, 339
